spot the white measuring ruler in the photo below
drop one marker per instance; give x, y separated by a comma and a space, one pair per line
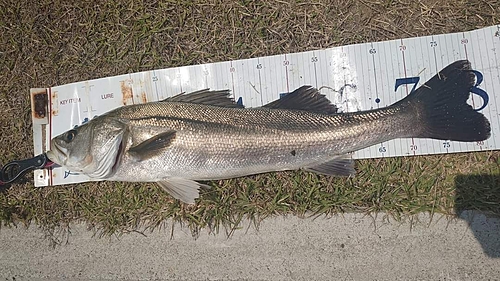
355, 77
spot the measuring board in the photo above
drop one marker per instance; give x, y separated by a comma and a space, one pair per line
355, 77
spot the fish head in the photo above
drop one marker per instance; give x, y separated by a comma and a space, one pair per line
92, 149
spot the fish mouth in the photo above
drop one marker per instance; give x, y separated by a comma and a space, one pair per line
57, 154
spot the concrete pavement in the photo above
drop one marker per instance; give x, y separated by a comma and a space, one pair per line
348, 247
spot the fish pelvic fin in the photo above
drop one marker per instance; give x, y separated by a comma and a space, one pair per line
183, 189
441, 107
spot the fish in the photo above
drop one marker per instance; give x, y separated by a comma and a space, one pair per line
205, 135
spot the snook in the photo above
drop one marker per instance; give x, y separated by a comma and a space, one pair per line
205, 135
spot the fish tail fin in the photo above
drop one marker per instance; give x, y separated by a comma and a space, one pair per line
441, 107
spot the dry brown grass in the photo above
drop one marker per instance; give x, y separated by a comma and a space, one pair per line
47, 43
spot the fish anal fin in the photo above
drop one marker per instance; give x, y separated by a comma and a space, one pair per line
304, 98
336, 167
183, 189
219, 98
152, 146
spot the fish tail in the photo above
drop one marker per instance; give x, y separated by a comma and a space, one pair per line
441, 107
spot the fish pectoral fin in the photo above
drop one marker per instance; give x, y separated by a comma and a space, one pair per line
216, 98
152, 146
304, 98
182, 189
336, 167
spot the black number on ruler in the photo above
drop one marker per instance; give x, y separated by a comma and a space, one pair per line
407, 80
382, 149
464, 41
446, 144
286, 63
232, 69
372, 51
314, 59
434, 44
259, 66
402, 48
413, 147
478, 91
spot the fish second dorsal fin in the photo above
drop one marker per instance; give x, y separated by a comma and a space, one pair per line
216, 98
304, 98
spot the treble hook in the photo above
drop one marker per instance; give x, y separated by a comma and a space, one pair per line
12, 171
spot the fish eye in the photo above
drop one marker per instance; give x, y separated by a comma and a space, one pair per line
70, 135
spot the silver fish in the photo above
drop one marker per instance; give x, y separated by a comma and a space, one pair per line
205, 135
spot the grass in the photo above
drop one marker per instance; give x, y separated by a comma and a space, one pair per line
51, 43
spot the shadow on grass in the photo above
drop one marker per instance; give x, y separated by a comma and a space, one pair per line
478, 202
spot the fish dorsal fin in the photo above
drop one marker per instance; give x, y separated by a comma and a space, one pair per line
152, 146
335, 167
304, 98
216, 98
